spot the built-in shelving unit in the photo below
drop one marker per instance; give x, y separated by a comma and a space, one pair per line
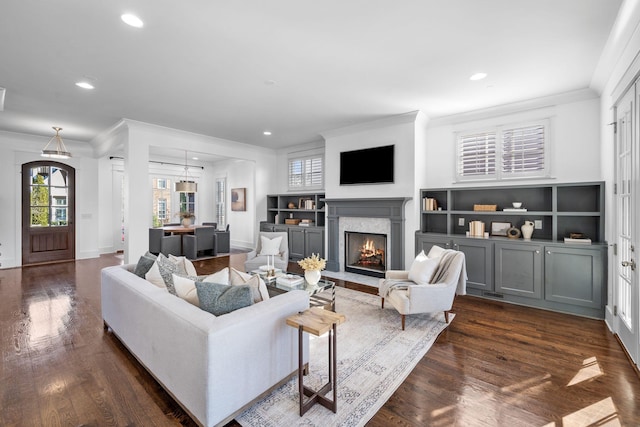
560, 209
543, 271
295, 206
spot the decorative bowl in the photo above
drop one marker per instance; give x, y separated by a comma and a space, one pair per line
517, 205
264, 268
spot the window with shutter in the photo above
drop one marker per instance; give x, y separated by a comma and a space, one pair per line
509, 151
306, 173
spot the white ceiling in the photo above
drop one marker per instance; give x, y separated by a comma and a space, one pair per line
295, 67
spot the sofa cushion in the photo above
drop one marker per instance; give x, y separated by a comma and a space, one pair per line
144, 264
186, 285
270, 246
220, 299
258, 288
160, 273
422, 268
186, 264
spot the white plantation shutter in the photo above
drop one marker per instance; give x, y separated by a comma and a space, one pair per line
477, 154
523, 150
306, 173
504, 152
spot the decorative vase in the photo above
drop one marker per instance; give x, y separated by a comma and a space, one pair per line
186, 222
312, 276
527, 230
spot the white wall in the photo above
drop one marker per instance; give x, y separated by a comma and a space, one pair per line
574, 149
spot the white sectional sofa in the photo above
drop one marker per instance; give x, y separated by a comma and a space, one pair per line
212, 366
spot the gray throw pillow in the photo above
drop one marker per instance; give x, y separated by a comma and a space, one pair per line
220, 299
144, 264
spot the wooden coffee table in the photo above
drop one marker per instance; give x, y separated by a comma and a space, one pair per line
317, 321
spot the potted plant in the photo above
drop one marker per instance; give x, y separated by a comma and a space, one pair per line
186, 218
312, 266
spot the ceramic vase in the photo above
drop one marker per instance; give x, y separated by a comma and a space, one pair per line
312, 276
527, 230
186, 222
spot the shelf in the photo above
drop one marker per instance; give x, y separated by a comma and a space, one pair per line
278, 208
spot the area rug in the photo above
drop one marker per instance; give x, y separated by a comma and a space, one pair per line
374, 358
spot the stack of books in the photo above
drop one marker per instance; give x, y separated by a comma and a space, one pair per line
308, 204
290, 281
429, 204
514, 209
306, 222
476, 229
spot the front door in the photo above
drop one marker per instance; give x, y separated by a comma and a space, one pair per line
625, 295
48, 208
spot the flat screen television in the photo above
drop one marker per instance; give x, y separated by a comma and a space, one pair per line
367, 166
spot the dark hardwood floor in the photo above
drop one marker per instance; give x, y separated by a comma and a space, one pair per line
496, 364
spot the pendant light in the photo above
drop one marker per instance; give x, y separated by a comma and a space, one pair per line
186, 185
60, 152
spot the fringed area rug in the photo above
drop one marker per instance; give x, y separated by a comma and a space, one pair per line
374, 357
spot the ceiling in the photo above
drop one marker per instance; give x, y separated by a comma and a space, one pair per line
294, 67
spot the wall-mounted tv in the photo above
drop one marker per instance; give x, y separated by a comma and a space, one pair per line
367, 166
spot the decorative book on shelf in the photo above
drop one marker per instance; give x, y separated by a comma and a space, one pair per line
577, 238
290, 280
514, 209
429, 204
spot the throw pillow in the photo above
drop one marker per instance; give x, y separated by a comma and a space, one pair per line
220, 299
435, 252
160, 274
258, 287
422, 268
144, 264
186, 264
186, 285
270, 246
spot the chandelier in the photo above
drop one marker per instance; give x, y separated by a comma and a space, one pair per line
186, 185
60, 152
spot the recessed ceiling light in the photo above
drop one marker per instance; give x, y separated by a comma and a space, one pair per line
267, 133
194, 158
132, 20
478, 76
85, 84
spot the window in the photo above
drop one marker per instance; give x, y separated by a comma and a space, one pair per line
306, 173
514, 151
221, 217
161, 184
48, 196
162, 208
188, 202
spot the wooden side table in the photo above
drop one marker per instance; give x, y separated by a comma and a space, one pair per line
317, 321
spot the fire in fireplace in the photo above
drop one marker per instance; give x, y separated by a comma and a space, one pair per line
365, 253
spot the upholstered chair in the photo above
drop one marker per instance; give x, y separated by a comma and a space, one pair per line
430, 286
201, 243
211, 224
259, 257
168, 245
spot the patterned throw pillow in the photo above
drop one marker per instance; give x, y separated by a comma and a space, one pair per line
144, 264
220, 299
161, 273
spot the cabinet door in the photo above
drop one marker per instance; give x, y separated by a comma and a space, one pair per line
314, 242
478, 256
296, 243
424, 242
518, 269
574, 275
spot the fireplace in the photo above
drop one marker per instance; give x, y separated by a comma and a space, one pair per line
365, 253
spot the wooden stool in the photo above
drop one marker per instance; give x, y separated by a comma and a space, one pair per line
317, 321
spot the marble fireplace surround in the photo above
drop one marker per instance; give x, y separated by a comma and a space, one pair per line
389, 208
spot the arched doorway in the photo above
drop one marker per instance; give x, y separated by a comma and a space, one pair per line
48, 211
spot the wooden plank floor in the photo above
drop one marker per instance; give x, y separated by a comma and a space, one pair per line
496, 365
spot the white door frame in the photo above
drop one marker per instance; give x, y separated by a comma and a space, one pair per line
626, 296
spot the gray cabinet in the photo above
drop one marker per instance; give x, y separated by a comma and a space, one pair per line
574, 276
518, 269
305, 241
478, 255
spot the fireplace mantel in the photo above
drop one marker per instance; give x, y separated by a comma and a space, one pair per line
391, 208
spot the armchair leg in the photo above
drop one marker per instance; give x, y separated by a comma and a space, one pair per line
446, 316
382, 302
402, 316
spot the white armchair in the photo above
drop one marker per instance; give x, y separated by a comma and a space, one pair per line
449, 279
257, 257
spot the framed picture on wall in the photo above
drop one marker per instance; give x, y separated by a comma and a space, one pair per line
238, 199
